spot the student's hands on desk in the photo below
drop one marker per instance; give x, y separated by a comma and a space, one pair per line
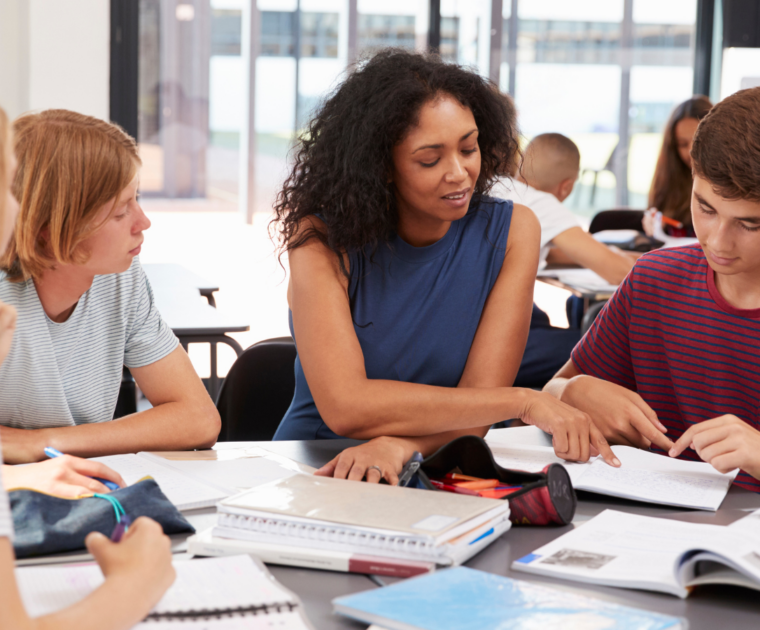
141, 563
66, 476
622, 416
726, 442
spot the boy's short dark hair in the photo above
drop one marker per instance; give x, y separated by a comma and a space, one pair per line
726, 149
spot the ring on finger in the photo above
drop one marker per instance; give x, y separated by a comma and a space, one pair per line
377, 468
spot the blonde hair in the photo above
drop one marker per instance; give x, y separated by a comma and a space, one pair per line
549, 159
69, 166
5, 155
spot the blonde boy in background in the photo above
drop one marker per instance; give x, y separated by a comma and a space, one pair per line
545, 179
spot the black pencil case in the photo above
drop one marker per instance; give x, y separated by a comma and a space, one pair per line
545, 498
45, 524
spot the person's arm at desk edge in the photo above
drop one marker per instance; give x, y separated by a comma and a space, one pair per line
183, 417
138, 570
579, 247
620, 414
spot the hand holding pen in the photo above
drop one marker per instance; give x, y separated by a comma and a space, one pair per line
83, 468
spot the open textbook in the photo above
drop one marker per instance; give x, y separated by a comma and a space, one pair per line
197, 483
643, 476
218, 593
648, 553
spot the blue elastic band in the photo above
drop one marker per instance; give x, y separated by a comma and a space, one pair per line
117, 507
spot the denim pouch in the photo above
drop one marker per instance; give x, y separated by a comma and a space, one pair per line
44, 524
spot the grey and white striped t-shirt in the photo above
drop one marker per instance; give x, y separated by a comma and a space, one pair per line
6, 522
65, 374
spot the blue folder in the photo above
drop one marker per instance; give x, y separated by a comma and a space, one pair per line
466, 599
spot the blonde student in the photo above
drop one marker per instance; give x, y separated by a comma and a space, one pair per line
139, 566
85, 306
671, 363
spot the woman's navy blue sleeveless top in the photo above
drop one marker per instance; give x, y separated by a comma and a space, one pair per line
416, 309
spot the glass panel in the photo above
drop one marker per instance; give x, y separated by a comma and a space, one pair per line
662, 76
383, 23
568, 80
466, 33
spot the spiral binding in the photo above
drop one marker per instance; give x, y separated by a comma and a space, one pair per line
205, 615
322, 534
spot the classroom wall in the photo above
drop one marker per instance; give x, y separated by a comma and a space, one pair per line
55, 53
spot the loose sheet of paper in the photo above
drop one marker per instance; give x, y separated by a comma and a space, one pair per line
181, 490
580, 279
237, 474
209, 584
643, 476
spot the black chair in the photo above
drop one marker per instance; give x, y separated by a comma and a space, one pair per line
590, 315
616, 220
257, 391
126, 404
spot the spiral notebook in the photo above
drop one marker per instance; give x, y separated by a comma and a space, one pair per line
370, 519
218, 593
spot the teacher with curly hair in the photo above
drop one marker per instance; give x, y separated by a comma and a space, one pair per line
410, 290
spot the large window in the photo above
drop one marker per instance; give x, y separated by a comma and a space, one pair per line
605, 72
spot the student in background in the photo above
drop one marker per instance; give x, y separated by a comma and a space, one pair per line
670, 193
138, 570
410, 290
84, 304
545, 179
673, 357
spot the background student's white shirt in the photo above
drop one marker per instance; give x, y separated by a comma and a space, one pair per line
553, 216
6, 522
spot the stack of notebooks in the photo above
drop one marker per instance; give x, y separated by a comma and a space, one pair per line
348, 526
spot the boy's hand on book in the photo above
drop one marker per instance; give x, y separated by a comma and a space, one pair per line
141, 562
726, 442
574, 435
621, 415
386, 453
69, 477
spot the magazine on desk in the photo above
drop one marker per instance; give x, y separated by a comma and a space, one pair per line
649, 553
642, 476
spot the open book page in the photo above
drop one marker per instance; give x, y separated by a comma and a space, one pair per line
620, 549
583, 279
209, 584
234, 474
750, 524
643, 476
646, 476
183, 491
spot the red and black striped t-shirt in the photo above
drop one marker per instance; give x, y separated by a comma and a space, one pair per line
669, 335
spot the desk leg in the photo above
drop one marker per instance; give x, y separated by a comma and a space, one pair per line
214, 380
213, 340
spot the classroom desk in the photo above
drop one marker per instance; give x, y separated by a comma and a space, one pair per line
162, 275
176, 295
708, 608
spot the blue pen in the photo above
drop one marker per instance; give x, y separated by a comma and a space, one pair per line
54, 452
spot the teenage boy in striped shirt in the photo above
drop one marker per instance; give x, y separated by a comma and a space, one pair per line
675, 354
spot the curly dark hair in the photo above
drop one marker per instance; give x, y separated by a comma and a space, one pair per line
344, 158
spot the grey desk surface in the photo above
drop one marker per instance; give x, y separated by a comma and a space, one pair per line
708, 607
